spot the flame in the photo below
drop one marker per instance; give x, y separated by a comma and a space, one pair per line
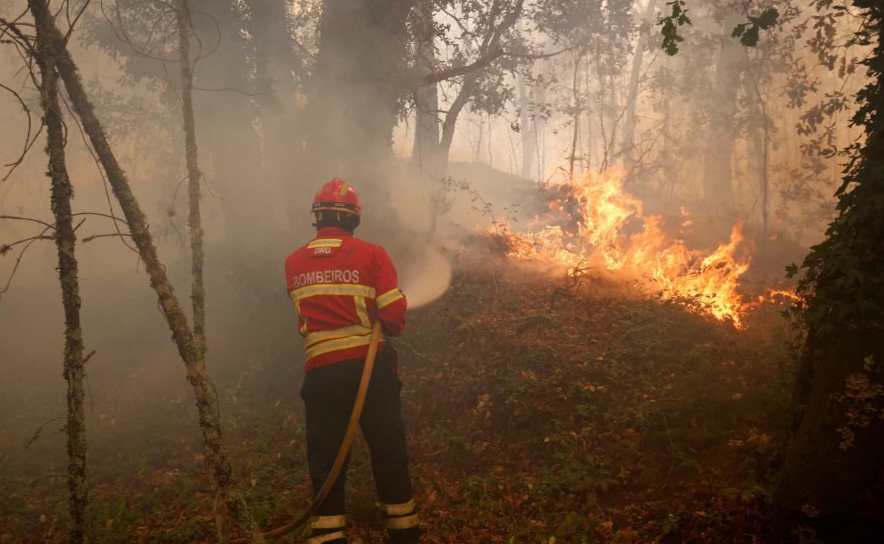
610, 226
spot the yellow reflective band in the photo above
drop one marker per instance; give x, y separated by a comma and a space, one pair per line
327, 538
328, 242
337, 345
323, 336
329, 522
398, 524
342, 289
362, 311
303, 329
389, 298
399, 509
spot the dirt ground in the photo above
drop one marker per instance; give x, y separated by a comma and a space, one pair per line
534, 415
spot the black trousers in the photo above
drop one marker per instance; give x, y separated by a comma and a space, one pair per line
329, 393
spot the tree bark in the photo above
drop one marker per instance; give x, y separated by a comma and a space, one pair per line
65, 241
528, 128
761, 143
717, 183
425, 151
575, 116
280, 114
490, 44
353, 96
833, 475
198, 292
634, 77
217, 458
838, 491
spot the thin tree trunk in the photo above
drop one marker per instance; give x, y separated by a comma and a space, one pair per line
575, 116
528, 128
450, 123
764, 144
198, 293
490, 42
227, 120
587, 106
217, 458
490, 140
65, 241
717, 183
540, 127
634, 76
478, 149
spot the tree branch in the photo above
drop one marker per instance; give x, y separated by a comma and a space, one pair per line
113, 234
483, 62
17, 218
18, 260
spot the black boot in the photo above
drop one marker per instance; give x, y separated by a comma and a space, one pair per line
328, 530
412, 535
402, 523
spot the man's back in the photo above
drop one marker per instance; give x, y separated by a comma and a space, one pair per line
340, 286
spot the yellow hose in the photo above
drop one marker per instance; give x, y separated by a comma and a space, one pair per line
345, 444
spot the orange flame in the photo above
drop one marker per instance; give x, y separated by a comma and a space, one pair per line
605, 215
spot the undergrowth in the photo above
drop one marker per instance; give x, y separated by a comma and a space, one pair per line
588, 417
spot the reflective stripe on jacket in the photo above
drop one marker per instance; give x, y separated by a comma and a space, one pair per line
340, 286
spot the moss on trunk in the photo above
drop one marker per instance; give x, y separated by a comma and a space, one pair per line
189, 348
65, 241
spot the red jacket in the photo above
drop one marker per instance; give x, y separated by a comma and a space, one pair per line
340, 286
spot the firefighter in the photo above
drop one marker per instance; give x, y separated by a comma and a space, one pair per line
340, 286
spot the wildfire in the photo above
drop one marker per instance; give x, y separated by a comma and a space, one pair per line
610, 227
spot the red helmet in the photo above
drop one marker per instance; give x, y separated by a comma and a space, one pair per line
337, 196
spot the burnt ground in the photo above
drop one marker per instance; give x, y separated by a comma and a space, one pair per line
593, 416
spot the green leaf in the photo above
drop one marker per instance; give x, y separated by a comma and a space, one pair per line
748, 33
767, 19
670, 25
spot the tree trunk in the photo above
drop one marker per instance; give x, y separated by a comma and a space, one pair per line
278, 110
634, 80
833, 476
478, 151
353, 95
837, 490
760, 136
450, 123
425, 152
540, 126
717, 184
197, 293
206, 399
528, 128
490, 43
575, 116
65, 241
227, 121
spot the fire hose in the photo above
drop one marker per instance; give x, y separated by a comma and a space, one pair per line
345, 444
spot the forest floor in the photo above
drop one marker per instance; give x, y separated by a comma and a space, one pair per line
602, 416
